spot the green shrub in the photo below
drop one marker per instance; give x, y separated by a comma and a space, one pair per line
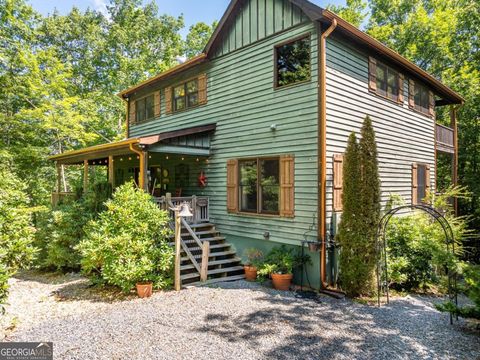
128, 243
281, 260
471, 277
61, 229
16, 230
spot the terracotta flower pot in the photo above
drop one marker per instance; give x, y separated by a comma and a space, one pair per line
250, 273
144, 290
282, 281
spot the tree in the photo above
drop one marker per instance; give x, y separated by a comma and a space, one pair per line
369, 196
353, 11
349, 234
198, 38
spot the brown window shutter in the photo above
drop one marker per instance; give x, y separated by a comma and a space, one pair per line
157, 100
287, 186
202, 89
401, 79
337, 182
427, 178
168, 100
414, 184
411, 93
431, 108
372, 74
232, 186
132, 112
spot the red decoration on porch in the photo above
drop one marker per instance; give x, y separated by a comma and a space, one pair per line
202, 179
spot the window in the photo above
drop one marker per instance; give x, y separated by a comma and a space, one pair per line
185, 96
420, 182
145, 108
421, 97
386, 81
259, 185
292, 62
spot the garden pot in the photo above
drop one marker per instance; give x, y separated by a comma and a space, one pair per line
144, 290
250, 273
282, 281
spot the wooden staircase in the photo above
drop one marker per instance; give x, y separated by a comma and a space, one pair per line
223, 262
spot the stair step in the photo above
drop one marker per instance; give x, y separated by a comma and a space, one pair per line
218, 280
212, 263
216, 246
200, 233
200, 225
221, 253
212, 272
193, 241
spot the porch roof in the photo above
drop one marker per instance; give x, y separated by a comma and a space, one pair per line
138, 144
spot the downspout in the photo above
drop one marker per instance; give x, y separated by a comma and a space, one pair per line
141, 175
322, 151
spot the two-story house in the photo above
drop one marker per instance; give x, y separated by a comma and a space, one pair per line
251, 132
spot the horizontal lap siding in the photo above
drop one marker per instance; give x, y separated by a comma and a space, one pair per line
243, 104
403, 136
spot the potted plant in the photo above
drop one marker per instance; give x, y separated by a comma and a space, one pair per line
279, 263
254, 259
144, 289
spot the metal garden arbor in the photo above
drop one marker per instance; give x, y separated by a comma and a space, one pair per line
382, 258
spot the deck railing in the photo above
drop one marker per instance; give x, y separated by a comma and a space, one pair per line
445, 138
199, 206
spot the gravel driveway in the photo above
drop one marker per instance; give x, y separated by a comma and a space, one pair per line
237, 320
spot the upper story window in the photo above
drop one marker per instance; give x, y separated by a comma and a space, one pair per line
421, 98
185, 95
385, 81
292, 62
145, 108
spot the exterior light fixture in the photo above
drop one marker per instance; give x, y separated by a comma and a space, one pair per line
273, 127
129, 158
183, 158
121, 159
166, 157
198, 159
138, 157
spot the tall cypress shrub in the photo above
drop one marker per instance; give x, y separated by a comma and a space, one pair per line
369, 200
349, 235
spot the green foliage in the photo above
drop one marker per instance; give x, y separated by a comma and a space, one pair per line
416, 245
16, 230
361, 213
254, 257
471, 276
281, 260
128, 243
353, 12
198, 37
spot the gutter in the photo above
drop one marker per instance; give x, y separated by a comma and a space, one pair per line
322, 151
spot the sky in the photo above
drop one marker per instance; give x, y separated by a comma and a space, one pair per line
193, 10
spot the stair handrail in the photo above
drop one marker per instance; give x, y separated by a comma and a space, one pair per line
203, 270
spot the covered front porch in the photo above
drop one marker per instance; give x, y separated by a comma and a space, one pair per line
168, 165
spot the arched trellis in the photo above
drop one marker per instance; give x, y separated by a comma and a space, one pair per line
382, 259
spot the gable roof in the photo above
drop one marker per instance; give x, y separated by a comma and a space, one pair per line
326, 17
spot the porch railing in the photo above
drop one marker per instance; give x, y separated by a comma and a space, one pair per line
445, 139
199, 206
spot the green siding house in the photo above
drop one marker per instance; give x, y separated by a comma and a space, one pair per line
251, 132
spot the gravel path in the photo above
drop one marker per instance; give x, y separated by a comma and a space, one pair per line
237, 320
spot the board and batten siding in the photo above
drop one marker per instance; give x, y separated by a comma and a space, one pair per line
403, 135
243, 103
257, 19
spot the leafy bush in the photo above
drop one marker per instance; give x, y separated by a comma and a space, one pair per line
16, 230
281, 260
61, 229
471, 276
128, 243
416, 244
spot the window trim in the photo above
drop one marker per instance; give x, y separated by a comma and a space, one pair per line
308, 36
136, 109
400, 99
184, 84
258, 212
